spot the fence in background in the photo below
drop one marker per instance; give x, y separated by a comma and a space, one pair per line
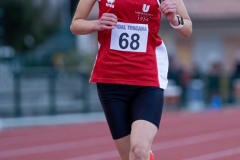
41, 91
45, 91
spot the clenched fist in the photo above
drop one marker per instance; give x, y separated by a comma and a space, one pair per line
169, 9
107, 21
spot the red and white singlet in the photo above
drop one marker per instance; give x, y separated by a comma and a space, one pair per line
132, 53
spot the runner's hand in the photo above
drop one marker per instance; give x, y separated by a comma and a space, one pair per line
107, 21
169, 9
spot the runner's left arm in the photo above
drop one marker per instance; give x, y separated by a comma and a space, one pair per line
172, 8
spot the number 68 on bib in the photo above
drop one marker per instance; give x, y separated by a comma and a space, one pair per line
129, 37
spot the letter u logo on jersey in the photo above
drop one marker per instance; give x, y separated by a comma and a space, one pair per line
145, 8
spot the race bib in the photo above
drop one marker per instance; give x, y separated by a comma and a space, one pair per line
129, 37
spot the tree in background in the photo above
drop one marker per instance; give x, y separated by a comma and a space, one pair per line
24, 24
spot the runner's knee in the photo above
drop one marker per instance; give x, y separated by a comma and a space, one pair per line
139, 151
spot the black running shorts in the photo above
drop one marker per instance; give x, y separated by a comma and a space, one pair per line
124, 104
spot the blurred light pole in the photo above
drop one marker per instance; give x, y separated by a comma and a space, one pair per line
65, 14
73, 5
1, 26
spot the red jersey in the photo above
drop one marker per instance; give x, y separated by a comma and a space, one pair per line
132, 53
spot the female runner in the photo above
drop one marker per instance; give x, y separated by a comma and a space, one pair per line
131, 65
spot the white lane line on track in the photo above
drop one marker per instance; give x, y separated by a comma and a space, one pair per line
55, 147
197, 139
112, 154
33, 138
220, 154
44, 136
52, 120
169, 144
98, 156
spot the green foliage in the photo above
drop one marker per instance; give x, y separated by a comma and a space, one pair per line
74, 59
24, 24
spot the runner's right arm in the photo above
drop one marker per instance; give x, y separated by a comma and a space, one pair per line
81, 25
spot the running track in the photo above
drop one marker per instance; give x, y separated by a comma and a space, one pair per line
210, 135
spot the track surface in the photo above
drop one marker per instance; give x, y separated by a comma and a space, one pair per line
210, 135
